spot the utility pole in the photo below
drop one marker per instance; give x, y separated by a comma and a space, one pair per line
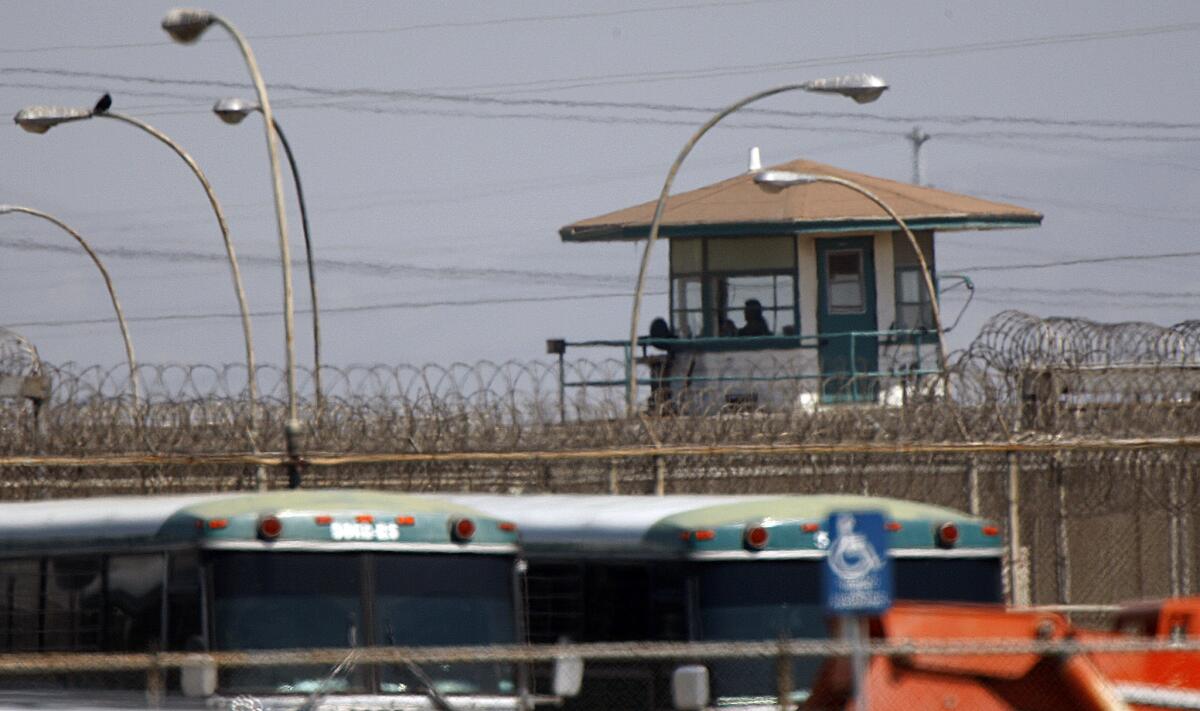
918, 138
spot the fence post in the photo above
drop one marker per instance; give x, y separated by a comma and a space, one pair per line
660, 476
614, 479
154, 683
783, 676
630, 378
562, 389
973, 504
1014, 528
1062, 558
1174, 532
1185, 529
854, 366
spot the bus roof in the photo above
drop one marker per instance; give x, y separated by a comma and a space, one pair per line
668, 525
324, 518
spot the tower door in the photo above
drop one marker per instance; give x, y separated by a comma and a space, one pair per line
846, 320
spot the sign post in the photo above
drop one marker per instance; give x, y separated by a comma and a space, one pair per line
858, 583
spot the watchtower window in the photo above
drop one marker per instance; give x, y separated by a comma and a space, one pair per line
846, 286
913, 310
729, 286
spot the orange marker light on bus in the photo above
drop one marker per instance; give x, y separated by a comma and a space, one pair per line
364, 518
216, 524
756, 537
323, 520
405, 521
705, 535
892, 526
462, 529
991, 531
810, 527
507, 526
269, 527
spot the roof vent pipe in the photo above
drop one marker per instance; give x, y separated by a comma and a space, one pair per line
755, 161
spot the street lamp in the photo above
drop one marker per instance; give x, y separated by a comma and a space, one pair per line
40, 119
862, 88
185, 26
233, 111
112, 294
780, 179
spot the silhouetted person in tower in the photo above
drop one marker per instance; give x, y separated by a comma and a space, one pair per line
756, 325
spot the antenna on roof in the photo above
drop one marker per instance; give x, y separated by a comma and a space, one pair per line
755, 161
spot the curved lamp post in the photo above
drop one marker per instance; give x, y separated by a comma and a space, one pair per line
233, 111
40, 119
185, 26
783, 178
112, 294
863, 88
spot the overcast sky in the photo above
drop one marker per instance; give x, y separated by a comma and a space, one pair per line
442, 145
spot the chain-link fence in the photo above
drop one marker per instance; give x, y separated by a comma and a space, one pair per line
1081, 438
1096, 672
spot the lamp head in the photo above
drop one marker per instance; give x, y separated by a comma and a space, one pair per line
39, 119
233, 110
863, 88
5, 209
780, 179
185, 25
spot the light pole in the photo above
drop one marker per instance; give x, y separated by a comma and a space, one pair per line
863, 88
783, 178
40, 119
234, 111
185, 26
112, 294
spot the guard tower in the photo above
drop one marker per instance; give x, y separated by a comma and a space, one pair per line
791, 296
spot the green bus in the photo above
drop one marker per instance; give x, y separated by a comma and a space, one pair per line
262, 571
711, 568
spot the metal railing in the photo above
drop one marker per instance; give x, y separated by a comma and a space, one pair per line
850, 384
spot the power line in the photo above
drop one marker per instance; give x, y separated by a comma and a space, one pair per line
410, 28
327, 310
1094, 291
335, 98
718, 71
1085, 206
1075, 262
373, 268
658, 107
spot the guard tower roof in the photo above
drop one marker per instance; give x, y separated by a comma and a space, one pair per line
740, 206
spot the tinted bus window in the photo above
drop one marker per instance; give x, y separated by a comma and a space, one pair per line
762, 600
757, 600
949, 580
134, 618
286, 601
426, 600
74, 603
20, 606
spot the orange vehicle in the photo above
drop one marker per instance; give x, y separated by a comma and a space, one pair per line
987, 678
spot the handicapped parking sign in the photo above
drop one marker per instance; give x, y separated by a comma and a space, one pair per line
857, 571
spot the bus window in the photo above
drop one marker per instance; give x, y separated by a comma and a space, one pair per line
760, 600
73, 606
20, 593
134, 618
286, 601
185, 620
428, 600
949, 580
